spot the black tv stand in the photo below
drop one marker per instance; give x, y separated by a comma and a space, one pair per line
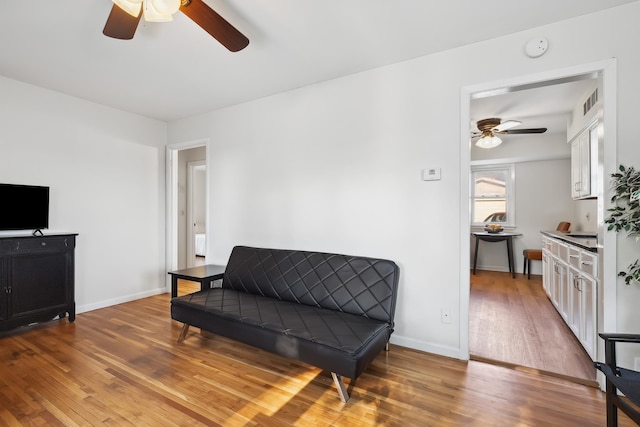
38, 232
37, 276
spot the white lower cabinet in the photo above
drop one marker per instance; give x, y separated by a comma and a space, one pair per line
583, 311
569, 278
574, 315
556, 281
560, 286
547, 272
590, 308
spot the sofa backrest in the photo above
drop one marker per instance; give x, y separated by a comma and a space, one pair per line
357, 285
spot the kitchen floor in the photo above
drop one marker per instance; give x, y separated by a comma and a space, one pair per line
513, 323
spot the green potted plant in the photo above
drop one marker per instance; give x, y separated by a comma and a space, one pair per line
626, 214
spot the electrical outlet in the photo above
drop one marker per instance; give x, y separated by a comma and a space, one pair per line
636, 364
445, 315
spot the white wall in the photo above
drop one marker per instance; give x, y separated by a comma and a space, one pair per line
585, 215
105, 170
336, 166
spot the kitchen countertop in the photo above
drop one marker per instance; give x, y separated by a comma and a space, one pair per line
585, 240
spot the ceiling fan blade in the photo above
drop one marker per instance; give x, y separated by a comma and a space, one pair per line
214, 24
121, 25
521, 131
506, 125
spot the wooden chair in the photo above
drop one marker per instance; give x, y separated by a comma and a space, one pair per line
624, 380
536, 254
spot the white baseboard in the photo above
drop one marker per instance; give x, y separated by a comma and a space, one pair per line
491, 268
108, 303
441, 350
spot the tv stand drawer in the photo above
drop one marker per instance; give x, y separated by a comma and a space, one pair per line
46, 243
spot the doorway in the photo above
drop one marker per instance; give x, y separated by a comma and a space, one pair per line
178, 213
605, 72
196, 222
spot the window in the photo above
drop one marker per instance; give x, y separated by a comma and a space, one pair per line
492, 198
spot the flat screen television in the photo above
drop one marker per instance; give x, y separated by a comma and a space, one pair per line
24, 207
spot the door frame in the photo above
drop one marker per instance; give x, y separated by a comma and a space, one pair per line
607, 72
171, 205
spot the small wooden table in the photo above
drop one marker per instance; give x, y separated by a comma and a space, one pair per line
496, 237
204, 274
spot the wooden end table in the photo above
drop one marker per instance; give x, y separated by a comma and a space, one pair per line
203, 274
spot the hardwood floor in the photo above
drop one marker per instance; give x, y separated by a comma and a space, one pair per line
122, 366
512, 322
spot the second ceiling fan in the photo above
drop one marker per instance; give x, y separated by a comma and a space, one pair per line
488, 128
125, 16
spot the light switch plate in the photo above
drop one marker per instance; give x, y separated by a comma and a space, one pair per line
431, 174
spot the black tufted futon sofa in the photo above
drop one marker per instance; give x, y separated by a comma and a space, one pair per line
328, 310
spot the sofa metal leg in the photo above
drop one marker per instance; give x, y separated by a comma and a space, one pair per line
342, 390
183, 332
386, 346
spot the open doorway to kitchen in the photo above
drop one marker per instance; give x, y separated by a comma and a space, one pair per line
494, 297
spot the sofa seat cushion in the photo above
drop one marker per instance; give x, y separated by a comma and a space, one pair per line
343, 331
341, 342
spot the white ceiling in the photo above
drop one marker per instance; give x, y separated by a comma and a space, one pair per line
540, 107
175, 70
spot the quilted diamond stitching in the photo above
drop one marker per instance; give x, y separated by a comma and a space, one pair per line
340, 282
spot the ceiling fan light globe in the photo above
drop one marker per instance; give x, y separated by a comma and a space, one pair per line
488, 142
151, 14
165, 7
132, 7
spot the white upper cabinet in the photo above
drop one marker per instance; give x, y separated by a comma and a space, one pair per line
584, 163
583, 132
